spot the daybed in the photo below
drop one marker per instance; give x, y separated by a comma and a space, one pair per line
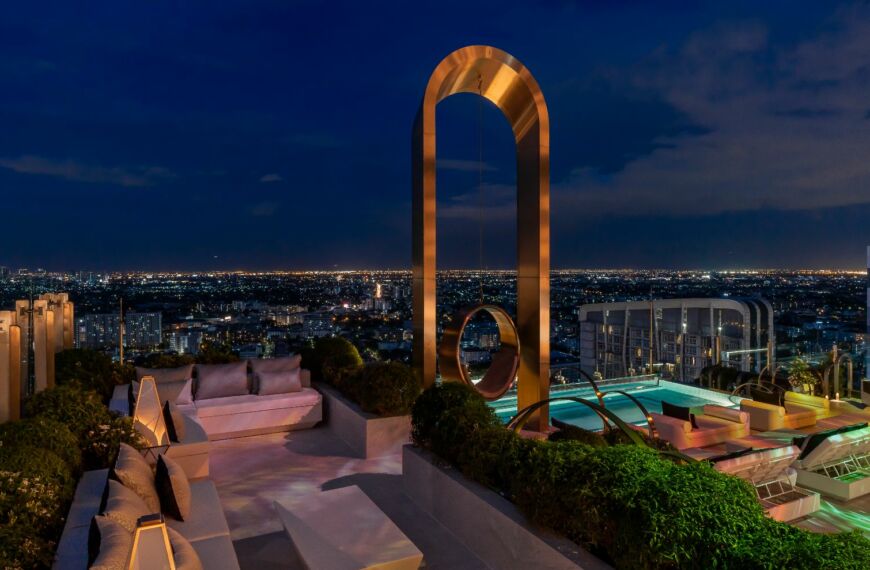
769, 471
238, 399
797, 411
715, 425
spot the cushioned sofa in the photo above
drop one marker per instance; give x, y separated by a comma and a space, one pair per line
204, 528
796, 411
715, 425
238, 399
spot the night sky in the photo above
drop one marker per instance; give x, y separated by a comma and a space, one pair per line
276, 135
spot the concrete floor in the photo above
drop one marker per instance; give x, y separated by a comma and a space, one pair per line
251, 473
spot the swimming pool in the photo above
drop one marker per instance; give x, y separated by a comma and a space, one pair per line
650, 393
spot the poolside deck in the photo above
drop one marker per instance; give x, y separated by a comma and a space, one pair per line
250, 473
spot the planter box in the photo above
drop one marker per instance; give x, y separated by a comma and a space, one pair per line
367, 435
486, 523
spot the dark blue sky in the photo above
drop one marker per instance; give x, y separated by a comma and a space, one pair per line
182, 135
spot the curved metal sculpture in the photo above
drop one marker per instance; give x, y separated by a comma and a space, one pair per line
753, 384
503, 80
650, 424
505, 364
519, 421
849, 374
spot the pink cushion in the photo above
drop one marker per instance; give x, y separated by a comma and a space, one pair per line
254, 403
221, 380
279, 382
286, 364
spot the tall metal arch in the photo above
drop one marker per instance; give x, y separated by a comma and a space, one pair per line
500, 78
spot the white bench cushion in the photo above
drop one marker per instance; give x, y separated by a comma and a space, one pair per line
253, 403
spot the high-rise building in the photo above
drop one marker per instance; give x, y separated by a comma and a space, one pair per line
102, 330
683, 335
316, 325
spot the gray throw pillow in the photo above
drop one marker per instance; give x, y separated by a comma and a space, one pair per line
221, 380
163, 375
133, 471
109, 545
124, 506
279, 382
173, 488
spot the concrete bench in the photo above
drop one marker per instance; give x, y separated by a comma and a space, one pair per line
343, 529
206, 528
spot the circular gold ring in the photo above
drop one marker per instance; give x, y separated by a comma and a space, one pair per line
505, 365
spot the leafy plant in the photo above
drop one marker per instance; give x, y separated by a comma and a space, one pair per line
91, 369
20, 548
331, 359
98, 431
570, 432
384, 388
45, 433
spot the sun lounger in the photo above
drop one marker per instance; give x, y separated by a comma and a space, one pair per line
836, 462
769, 471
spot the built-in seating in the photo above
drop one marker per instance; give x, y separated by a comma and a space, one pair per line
770, 473
205, 528
227, 402
715, 425
794, 412
836, 462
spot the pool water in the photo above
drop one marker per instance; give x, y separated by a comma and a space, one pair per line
650, 395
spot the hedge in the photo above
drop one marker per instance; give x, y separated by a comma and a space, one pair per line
382, 388
626, 503
45, 433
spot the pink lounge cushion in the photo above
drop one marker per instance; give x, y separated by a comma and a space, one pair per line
221, 380
282, 382
124, 506
164, 375
308, 397
285, 364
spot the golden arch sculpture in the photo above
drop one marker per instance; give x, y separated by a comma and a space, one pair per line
503, 80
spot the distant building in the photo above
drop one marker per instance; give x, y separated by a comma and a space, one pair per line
185, 342
316, 325
687, 335
102, 330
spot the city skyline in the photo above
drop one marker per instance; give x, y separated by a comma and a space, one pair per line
710, 136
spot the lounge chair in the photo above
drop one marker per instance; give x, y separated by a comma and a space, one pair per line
769, 471
836, 462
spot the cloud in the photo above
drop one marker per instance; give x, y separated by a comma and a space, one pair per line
264, 209
463, 165
272, 177
783, 126
79, 172
499, 205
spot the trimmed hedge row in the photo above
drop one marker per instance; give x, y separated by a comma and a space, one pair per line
67, 429
627, 504
382, 388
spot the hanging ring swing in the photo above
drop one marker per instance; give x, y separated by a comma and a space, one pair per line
505, 364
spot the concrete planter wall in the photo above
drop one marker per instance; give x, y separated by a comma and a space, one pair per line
486, 523
367, 435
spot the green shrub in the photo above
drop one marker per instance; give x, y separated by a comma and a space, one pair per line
33, 461
384, 388
90, 369
21, 549
99, 431
36, 488
159, 360
331, 359
570, 432
45, 433
445, 415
